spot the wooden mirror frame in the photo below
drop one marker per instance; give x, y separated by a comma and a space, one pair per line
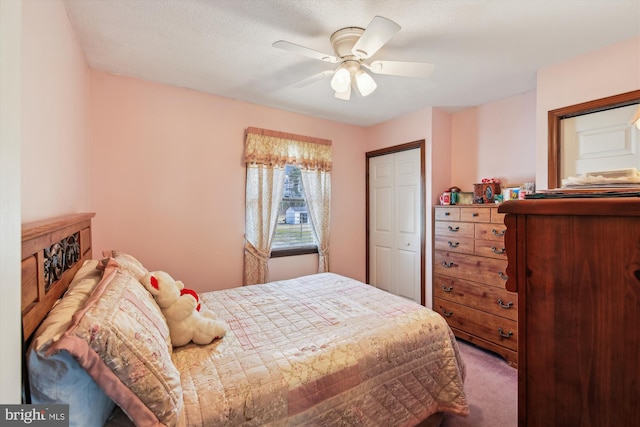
555, 116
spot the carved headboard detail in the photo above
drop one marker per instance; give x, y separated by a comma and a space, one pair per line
52, 251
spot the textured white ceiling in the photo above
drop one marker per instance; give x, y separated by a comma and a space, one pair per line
483, 50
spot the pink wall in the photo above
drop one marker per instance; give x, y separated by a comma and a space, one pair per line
44, 160
495, 140
441, 155
54, 94
167, 180
596, 75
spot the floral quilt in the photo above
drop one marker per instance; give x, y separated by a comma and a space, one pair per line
321, 350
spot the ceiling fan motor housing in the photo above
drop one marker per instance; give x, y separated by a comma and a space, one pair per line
343, 41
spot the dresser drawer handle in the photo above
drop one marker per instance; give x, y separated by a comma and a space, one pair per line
503, 276
454, 229
447, 213
475, 214
453, 245
498, 251
503, 335
447, 314
447, 288
450, 264
503, 305
498, 233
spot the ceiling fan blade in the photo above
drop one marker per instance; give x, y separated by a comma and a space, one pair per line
379, 32
301, 50
399, 68
314, 78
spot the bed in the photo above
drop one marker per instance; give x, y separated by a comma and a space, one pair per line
319, 350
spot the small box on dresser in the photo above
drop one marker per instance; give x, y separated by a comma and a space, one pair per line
470, 275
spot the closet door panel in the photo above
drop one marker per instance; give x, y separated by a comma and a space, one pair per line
395, 229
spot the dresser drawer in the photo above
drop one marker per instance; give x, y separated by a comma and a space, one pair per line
495, 329
497, 217
490, 248
455, 229
489, 271
464, 245
447, 214
475, 214
481, 297
490, 232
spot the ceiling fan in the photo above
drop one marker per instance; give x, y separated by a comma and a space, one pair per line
353, 46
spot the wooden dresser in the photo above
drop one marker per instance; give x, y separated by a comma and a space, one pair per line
470, 275
575, 264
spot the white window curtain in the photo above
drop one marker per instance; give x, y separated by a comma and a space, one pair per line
317, 189
266, 154
265, 185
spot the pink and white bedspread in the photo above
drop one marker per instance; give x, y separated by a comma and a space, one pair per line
321, 350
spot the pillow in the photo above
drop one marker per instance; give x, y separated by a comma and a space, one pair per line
125, 261
58, 378
121, 339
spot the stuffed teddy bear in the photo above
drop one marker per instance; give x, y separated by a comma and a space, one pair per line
187, 317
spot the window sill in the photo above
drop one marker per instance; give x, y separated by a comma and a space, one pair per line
302, 250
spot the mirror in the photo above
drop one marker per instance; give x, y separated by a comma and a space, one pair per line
559, 152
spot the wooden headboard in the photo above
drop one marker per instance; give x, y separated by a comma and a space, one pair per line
52, 251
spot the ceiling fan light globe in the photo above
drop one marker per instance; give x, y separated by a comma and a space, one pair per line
345, 96
341, 80
366, 84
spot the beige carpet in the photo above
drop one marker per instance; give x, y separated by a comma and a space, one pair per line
492, 390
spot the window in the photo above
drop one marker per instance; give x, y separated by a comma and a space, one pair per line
294, 233
267, 154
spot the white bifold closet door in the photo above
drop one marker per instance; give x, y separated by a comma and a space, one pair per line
394, 223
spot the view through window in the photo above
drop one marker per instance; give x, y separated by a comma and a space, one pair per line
294, 224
